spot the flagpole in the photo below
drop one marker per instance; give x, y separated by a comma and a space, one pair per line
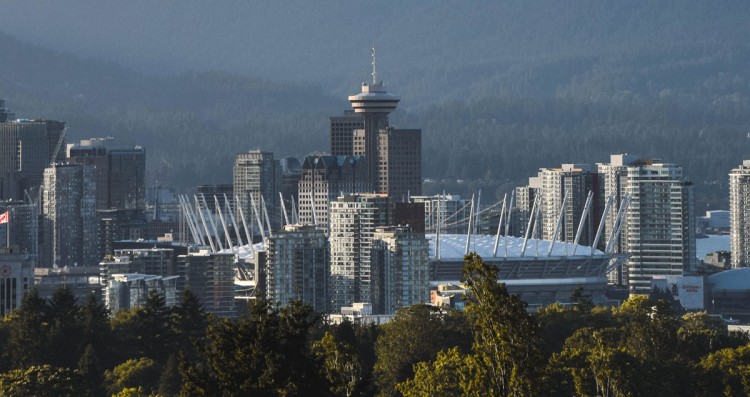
5, 218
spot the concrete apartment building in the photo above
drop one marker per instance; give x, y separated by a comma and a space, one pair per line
119, 172
16, 278
353, 220
659, 226
69, 216
574, 181
27, 147
739, 214
210, 277
258, 179
400, 269
324, 178
297, 266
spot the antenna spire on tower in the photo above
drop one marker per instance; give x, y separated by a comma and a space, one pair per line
374, 70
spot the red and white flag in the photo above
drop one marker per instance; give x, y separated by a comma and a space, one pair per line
4, 217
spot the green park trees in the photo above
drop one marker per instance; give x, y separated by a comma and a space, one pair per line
496, 346
505, 357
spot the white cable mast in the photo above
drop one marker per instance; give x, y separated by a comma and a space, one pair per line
537, 229
201, 239
560, 217
584, 215
205, 226
618, 223
189, 220
477, 211
601, 223
437, 237
528, 227
244, 226
507, 222
499, 226
283, 209
265, 213
314, 217
234, 221
468, 232
223, 224
295, 214
257, 218
213, 224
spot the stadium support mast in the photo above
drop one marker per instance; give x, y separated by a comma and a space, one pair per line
528, 227
499, 226
468, 232
205, 226
618, 224
601, 223
234, 221
584, 215
507, 223
223, 224
558, 224
213, 224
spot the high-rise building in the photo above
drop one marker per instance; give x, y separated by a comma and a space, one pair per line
127, 183
119, 224
5, 114
353, 222
297, 266
411, 215
449, 209
127, 291
27, 147
400, 163
23, 225
119, 172
151, 261
69, 216
739, 214
342, 132
257, 179
212, 193
614, 176
400, 269
16, 278
575, 181
324, 178
373, 104
658, 229
291, 173
523, 204
210, 277
394, 156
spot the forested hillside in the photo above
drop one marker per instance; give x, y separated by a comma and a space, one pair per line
499, 89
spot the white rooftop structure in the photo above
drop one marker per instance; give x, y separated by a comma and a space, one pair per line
453, 246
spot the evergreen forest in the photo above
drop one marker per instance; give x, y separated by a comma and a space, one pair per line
500, 89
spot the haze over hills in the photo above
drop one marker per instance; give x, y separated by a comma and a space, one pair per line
430, 51
500, 89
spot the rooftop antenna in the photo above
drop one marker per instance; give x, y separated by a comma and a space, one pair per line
374, 69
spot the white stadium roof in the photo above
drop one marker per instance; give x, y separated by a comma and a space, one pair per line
452, 247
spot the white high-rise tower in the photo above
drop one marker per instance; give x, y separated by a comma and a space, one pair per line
739, 214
